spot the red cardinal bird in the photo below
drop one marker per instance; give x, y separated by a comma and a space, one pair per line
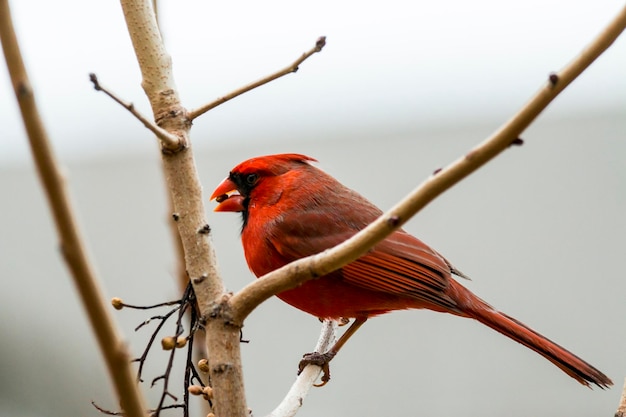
292, 209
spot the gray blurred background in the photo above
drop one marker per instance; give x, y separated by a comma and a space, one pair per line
396, 94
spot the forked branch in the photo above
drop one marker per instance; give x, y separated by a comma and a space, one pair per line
170, 140
186, 195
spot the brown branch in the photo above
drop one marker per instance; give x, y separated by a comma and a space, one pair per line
319, 45
294, 274
72, 247
182, 180
181, 175
621, 408
169, 140
178, 164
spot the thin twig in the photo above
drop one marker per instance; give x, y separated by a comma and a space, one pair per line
190, 369
319, 45
186, 303
294, 274
168, 371
121, 413
169, 140
111, 344
144, 355
118, 304
105, 411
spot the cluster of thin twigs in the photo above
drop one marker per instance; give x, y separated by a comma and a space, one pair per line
192, 381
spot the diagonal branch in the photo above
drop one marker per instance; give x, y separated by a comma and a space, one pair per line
170, 141
294, 274
71, 243
319, 44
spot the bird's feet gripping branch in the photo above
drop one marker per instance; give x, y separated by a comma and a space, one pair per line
319, 359
323, 359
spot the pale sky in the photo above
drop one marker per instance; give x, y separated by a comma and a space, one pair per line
386, 65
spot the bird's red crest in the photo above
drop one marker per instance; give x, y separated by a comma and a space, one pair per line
274, 164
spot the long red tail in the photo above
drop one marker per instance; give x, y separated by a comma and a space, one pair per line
571, 364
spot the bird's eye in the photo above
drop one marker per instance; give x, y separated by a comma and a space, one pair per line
251, 179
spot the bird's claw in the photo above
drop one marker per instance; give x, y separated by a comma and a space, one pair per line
320, 359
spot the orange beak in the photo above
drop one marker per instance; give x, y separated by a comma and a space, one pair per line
228, 201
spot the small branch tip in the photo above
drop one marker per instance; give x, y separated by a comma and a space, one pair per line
169, 142
320, 44
94, 79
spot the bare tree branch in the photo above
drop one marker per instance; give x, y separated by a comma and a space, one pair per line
319, 44
294, 274
226, 375
224, 355
71, 243
156, 69
179, 166
170, 141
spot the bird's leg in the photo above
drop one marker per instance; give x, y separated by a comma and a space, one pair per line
323, 359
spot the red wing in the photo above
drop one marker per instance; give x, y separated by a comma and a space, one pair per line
400, 265
310, 233
403, 265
